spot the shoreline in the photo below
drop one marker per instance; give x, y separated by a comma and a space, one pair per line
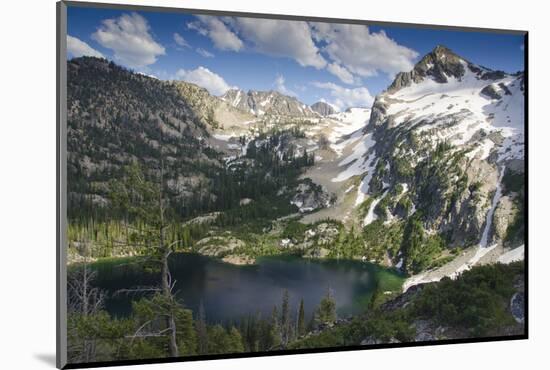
235, 260
473, 256
470, 257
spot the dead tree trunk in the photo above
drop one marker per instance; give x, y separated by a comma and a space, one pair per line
84, 300
165, 270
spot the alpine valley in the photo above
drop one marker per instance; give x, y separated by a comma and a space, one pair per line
426, 187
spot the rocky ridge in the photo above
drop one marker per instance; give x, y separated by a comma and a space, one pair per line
267, 102
323, 108
445, 140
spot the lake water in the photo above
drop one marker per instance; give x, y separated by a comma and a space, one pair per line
229, 292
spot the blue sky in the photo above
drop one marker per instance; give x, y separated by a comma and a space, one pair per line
345, 65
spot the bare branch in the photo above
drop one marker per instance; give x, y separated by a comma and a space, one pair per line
137, 290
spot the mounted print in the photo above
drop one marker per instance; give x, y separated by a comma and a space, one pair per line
234, 184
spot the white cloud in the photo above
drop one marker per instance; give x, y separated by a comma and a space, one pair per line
343, 98
363, 52
280, 86
203, 77
178, 39
129, 37
280, 38
349, 52
222, 37
77, 48
342, 73
205, 53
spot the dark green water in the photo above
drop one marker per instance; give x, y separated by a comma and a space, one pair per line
229, 292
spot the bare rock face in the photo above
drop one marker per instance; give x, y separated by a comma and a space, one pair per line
424, 331
372, 340
491, 92
469, 214
210, 110
203, 219
218, 246
517, 307
245, 201
323, 108
310, 196
505, 214
424, 337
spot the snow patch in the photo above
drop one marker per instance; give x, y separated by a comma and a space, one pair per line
357, 162
349, 189
371, 216
516, 254
222, 137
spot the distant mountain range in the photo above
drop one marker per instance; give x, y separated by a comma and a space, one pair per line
267, 102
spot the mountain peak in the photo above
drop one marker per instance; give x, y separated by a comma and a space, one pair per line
441, 51
267, 102
440, 64
323, 108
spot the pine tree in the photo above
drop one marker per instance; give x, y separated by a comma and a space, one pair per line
275, 330
144, 200
285, 319
217, 339
235, 341
201, 331
326, 312
301, 329
413, 236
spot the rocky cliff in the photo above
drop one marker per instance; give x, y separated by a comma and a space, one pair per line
323, 108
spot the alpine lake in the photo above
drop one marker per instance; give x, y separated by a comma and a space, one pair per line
229, 292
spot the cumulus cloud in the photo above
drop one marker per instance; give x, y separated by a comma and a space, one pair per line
343, 98
78, 48
361, 51
349, 52
130, 39
178, 39
272, 37
222, 37
205, 53
342, 73
203, 77
280, 86
280, 38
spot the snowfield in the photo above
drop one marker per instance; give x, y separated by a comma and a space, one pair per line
371, 216
347, 128
516, 254
458, 109
356, 161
